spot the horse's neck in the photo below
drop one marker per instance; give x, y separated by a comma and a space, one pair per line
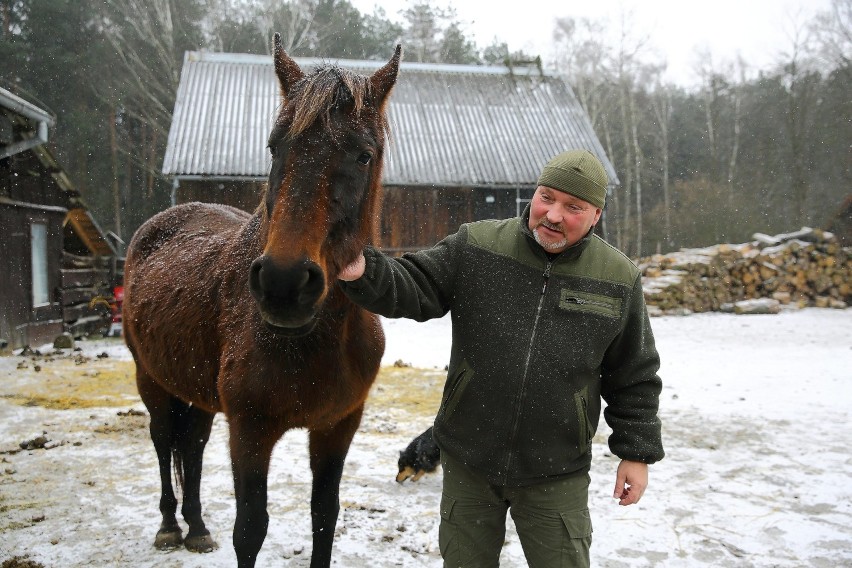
251, 239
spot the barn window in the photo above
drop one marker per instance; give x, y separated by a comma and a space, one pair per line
38, 242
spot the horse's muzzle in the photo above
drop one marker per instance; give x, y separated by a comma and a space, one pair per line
287, 296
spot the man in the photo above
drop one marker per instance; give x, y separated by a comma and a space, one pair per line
547, 319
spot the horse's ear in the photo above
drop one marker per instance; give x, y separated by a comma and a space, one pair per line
288, 71
384, 79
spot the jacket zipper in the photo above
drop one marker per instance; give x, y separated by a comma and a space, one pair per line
517, 418
582, 302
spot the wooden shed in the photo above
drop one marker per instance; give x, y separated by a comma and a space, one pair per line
55, 258
467, 142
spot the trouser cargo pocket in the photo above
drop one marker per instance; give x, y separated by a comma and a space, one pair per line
578, 524
471, 533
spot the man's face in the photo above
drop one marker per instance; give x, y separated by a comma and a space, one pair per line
558, 219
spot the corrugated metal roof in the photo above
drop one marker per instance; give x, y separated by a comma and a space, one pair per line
451, 125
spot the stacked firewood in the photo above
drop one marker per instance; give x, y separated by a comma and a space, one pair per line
808, 267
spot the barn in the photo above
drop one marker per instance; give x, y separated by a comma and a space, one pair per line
467, 142
56, 259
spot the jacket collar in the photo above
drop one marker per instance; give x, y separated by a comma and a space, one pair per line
574, 251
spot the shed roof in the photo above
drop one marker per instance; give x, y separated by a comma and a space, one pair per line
451, 125
17, 105
22, 113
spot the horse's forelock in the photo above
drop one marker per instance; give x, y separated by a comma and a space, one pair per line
327, 88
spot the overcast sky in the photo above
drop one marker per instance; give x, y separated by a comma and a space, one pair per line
756, 29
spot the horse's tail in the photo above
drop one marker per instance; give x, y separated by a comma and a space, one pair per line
177, 465
181, 426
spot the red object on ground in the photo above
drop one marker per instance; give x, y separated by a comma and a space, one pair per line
118, 294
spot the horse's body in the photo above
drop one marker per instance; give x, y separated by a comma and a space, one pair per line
237, 313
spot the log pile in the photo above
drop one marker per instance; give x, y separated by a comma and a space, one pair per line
808, 267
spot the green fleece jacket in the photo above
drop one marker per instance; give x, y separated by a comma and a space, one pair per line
537, 342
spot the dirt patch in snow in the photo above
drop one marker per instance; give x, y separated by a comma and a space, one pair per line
65, 379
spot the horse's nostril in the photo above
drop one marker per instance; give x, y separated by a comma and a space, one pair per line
313, 282
302, 279
255, 285
313, 276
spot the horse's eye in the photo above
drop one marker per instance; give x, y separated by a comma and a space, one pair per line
271, 148
365, 158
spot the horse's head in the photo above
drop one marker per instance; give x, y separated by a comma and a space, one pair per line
324, 192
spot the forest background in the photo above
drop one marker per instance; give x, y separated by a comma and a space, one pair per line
736, 153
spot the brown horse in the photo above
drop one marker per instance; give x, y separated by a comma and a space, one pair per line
241, 314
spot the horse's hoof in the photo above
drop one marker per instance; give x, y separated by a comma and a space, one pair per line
200, 543
168, 539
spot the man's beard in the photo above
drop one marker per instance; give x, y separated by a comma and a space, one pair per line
545, 245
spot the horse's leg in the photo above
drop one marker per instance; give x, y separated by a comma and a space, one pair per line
159, 404
194, 431
251, 442
328, 449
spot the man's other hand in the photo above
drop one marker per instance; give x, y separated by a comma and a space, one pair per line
631, 480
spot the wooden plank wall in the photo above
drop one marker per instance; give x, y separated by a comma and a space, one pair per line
416, 218
20, 323
85, 293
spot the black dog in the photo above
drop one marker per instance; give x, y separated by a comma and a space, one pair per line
421, 456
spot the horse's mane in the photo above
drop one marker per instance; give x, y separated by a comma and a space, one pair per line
327, 88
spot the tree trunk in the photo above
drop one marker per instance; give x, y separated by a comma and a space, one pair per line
735, 145
637, 160
615, 207
629, 162
795, 121
116, 194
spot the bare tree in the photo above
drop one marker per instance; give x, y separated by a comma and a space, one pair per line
626, 75
661, 106
832, 33
143, 39
799, 67
713, 85
294, 18
737, 94
147, 38
582, 56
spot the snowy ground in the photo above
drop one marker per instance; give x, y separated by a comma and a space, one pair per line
757, 426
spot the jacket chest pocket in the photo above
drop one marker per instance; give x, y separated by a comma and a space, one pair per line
575, 301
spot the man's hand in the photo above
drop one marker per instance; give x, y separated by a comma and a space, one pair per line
630, 482
355, 270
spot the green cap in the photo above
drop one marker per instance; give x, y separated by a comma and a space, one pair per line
579, 173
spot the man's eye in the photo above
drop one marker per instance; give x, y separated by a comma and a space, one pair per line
365, 158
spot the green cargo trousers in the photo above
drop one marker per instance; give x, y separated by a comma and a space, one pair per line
552, 520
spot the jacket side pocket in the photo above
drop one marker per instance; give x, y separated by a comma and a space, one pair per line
459, 383
584, 427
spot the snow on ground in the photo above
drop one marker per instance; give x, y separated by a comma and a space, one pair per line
756, 422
